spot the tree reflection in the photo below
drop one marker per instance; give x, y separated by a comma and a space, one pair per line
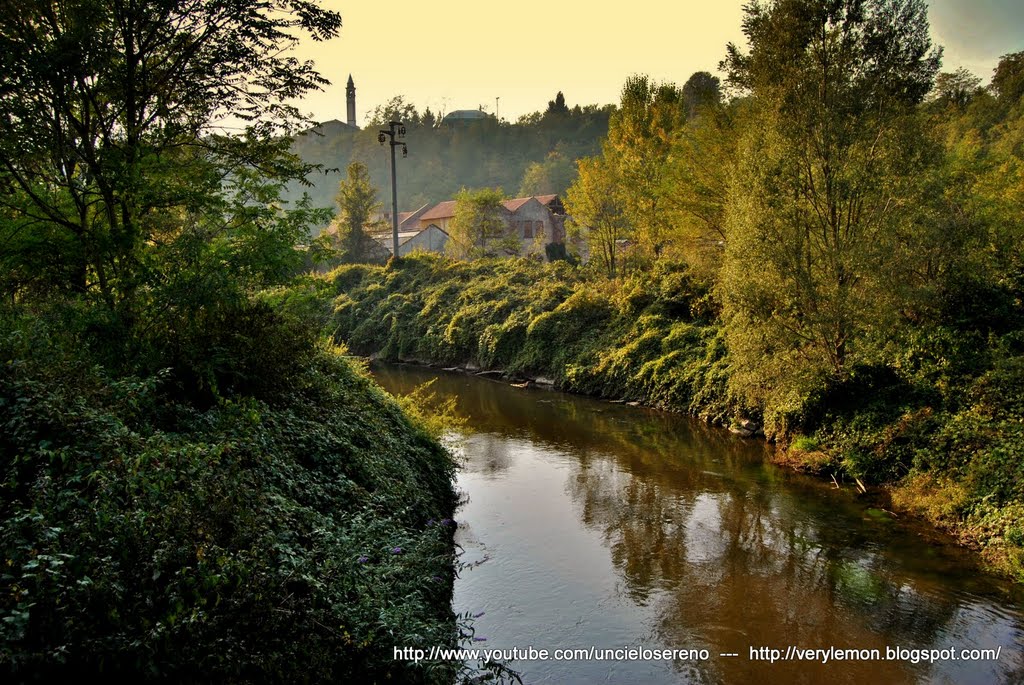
732, 553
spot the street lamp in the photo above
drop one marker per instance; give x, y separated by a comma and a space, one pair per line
396, 130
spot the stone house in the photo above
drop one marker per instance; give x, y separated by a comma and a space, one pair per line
536, 220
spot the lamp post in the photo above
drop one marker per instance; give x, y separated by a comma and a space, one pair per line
395, 130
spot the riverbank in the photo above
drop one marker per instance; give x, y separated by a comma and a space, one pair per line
937, 423
261, 513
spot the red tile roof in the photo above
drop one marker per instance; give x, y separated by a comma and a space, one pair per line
442, 210
513, 205
446, 209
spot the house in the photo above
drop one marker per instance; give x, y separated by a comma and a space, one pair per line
407, 221
439, 215
540, 218
536, 220
412, 239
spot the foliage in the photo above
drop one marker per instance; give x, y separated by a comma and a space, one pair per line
956, 88
701, 90
594, 204
644, 339
195, 487
357, 203
552, 176
395, 109
479, 228
110, 146
296, 526
638, 143
1008, 79
825, 187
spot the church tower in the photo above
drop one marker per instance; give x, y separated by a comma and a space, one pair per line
350, 92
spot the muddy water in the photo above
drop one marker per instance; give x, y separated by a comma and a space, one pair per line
591, 524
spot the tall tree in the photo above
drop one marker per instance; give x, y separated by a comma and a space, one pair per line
111, 146
639, 140
594, 204
956, 88
357, 203
1008, 78
553, 175
695, 189
557, 106
395, 109
479, 227
824, 196
700, 90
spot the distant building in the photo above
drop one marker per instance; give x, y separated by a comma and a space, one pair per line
412, 235
464, 116
439, 215
334, 127
416, 239
350, 101
536, 220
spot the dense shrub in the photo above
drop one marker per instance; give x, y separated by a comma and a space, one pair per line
296, 528
937, 402
639, 339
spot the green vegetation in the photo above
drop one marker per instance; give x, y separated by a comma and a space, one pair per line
535, 155
648, 337
841, 265
357, 204
294, 526
195, 486
478, 228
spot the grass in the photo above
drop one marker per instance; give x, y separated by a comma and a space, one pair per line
937, 417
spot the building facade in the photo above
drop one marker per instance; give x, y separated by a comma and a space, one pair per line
535, 221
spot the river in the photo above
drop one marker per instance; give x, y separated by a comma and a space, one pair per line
592, 524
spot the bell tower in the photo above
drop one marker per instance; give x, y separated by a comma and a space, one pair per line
350, 93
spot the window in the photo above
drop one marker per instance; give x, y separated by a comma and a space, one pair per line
527, 229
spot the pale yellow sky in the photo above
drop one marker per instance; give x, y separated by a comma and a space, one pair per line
460, 54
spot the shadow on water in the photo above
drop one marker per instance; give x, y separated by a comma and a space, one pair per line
607, 525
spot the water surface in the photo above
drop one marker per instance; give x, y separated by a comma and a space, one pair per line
588, 523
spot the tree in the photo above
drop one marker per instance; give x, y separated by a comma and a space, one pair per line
395, 109
594, 204
357, 203
1008, 78
700, 90
479, 227
557, 107
637, 147
112, 150
696, 182
956, 88
553, 175
825, 194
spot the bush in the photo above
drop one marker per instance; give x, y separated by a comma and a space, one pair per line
295, 528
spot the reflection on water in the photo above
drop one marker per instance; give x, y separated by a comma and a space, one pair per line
590, 523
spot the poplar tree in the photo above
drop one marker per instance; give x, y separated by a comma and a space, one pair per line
823, 202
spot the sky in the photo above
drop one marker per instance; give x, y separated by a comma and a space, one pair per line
513, 57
